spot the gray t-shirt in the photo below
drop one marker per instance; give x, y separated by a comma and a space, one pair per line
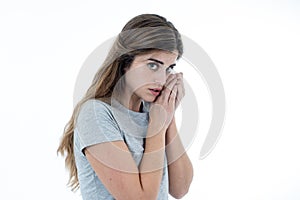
100, 122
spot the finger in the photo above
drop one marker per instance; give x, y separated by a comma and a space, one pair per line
165, 93
180, 74
168, 88
170, 78
173, 94
180, 85
179, 77
179, 95
180, 89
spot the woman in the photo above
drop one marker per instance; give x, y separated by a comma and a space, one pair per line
121, 141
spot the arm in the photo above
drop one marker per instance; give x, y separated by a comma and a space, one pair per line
179, 165
117, 170
115, 167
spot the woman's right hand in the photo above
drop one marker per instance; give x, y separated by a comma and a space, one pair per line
163, 108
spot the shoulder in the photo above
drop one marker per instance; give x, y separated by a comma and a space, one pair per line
94, 108
96, 124
94, 105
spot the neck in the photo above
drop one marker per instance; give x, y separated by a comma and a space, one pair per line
130, 101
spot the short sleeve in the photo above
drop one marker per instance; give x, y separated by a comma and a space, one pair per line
96, 124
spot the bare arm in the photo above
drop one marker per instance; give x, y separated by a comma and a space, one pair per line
117, 170
179, 165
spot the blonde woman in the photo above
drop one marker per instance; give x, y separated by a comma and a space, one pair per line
121, 141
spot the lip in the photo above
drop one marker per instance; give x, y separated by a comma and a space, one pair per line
155, 91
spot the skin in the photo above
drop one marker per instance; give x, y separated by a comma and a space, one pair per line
123, 179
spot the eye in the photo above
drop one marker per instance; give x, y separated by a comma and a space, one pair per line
170, 69
152, 66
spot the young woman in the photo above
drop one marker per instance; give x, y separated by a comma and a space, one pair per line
121, 141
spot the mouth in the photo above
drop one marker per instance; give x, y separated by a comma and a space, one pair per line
155, 91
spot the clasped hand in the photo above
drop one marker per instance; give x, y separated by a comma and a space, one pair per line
163, 108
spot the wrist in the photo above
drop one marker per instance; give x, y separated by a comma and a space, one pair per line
155, 128
172, 123
172, 130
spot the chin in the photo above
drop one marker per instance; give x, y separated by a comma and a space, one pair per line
148, 98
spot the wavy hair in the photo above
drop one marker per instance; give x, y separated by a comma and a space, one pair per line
143, 33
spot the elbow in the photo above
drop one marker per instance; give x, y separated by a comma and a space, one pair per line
179, 193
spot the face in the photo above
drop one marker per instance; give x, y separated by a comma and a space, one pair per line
148, 73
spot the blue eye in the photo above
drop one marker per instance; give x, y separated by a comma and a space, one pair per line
170, 69
152, 66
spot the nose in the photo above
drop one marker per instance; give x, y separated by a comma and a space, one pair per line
160, 78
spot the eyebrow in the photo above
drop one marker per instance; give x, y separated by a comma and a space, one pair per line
160, 62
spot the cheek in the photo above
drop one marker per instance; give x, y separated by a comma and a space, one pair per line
137, 78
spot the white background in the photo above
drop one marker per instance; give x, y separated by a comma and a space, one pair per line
255, 46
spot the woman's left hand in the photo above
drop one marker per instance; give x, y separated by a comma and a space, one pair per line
180, 91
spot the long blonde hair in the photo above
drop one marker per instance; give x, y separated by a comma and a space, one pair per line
140, 35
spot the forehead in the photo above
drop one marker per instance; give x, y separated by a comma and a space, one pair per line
166, 57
